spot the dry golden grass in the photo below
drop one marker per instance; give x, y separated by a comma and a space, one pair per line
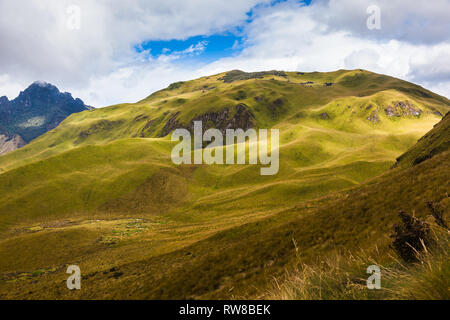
342, 276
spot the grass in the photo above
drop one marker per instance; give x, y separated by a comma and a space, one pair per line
93, 192
434, 142
240, 261
342, 276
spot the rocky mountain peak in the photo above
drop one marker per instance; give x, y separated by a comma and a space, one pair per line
37, 109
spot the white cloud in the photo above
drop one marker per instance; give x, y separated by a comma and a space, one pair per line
136, 81
431, 65
99, 64
36, 43
290, 37
417, 22
9, 88
364, 57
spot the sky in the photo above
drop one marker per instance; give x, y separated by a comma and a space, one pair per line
112, 51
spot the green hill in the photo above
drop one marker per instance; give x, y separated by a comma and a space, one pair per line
101, 191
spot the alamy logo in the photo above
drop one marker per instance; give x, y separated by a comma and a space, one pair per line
374, 281
74, 281
73, 21
259, 147
374, 20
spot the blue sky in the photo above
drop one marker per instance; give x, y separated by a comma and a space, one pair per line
216, 46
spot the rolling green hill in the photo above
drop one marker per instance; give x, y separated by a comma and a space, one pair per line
101, 191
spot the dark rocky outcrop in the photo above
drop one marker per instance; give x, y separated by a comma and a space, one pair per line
171, 124
150, 125
276, 104
324, 116
236, 75
146, 128
433, 143
421, 158
175, 85
240, 95
102, 125
242, 118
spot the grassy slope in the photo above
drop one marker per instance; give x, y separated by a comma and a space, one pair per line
434, 142
342, 276
233, 223
241, 261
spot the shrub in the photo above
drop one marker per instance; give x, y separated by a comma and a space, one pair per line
410, 237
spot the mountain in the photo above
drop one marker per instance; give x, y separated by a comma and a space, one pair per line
101, 191
38, 109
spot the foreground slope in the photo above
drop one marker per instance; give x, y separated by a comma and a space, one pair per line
434, 142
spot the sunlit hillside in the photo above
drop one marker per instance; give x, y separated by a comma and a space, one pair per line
101, 190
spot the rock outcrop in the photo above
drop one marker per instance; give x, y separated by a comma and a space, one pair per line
373, 117
9, 144
236, 75
324, 116
242, 118
402, 108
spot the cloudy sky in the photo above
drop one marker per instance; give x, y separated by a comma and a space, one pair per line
114, 51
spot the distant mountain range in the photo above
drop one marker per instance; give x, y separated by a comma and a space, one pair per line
38, 109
